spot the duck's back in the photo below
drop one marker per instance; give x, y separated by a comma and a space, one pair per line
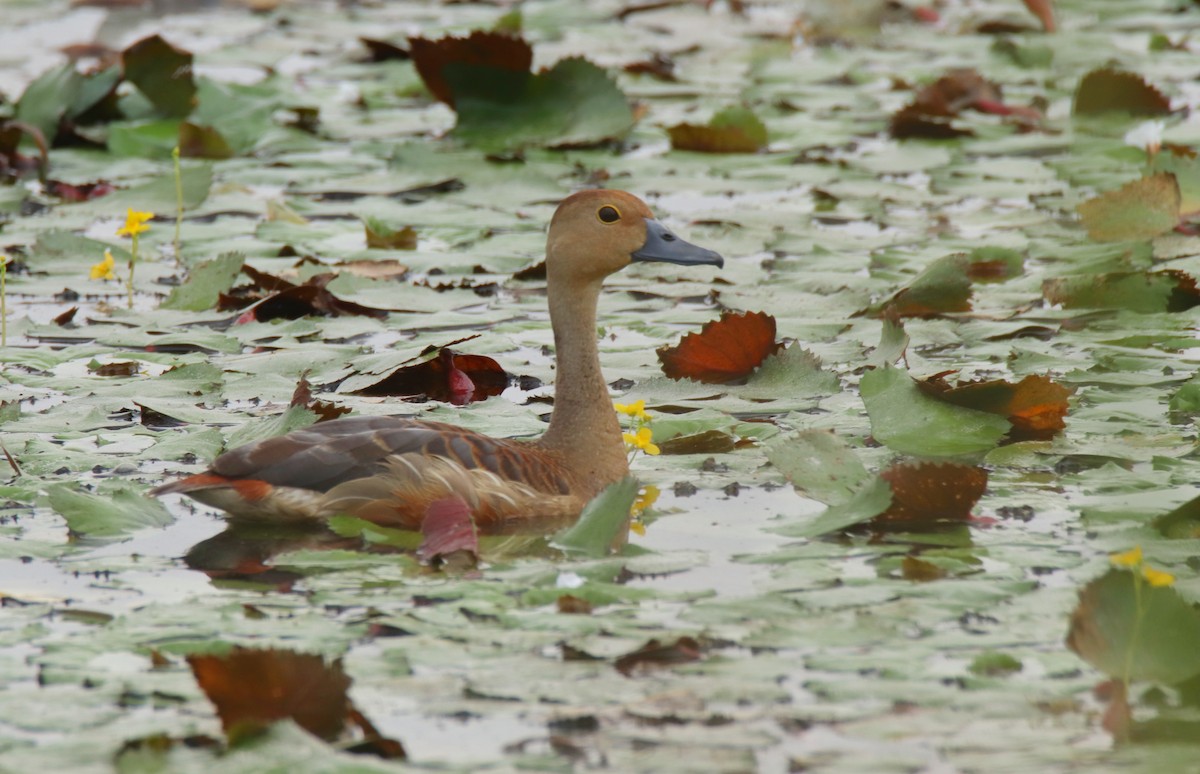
386, 469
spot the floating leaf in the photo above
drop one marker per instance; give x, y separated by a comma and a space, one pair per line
1147, 292
603, 521
1140, 209
926, 495
818, 463
251, 689
724, 350
205, 283
382, 236
163, 73
1035, 406
943, 287
446, 376
480, 49
302, 397
447, 529
501, 105
733, 130
1181, 523
203, 142
657, 655
1108, 90
110, 515
311, 298
928, 115
1129, 629
906, 420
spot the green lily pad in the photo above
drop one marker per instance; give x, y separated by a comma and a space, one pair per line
1131, 630
116, 514
205, 283
572, 103
906, 420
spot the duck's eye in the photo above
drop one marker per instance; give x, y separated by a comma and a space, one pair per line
608, 214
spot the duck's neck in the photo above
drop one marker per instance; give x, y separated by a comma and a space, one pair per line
583, 427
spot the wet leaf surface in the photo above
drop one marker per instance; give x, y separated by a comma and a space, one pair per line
724, 350
847, 621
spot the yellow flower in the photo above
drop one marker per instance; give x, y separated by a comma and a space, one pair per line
1130, 559
645, 499
1157, 577
637, 409
104, 269
135, 223
640, 440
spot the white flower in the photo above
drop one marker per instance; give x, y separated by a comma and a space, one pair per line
569, 580
1147, 134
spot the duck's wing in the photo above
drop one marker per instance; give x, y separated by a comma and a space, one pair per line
288, 477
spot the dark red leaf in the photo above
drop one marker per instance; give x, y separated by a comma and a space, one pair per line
655, 654
450, 377
252, 689
78, 192
448, 528
930, 494
724, 350
480, 49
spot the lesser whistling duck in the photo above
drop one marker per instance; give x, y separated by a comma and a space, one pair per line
389, 469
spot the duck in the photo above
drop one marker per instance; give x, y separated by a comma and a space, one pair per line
389, 470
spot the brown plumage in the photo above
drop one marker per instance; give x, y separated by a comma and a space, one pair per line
388, 469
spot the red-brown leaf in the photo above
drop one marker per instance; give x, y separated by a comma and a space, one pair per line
480, 48
724, 350
1036, 406
929, 494
450, 377
447, 528
655, 654
252, 689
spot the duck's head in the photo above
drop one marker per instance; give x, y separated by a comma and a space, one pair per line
595, 233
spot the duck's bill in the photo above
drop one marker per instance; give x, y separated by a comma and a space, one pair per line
662, 245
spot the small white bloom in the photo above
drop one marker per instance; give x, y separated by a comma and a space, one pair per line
569, 580
1147, 134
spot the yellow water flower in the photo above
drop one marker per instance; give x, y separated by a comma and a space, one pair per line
646, 497
135, 223
104, 269
640, 440
637, 410
1129, 559
1157, 578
